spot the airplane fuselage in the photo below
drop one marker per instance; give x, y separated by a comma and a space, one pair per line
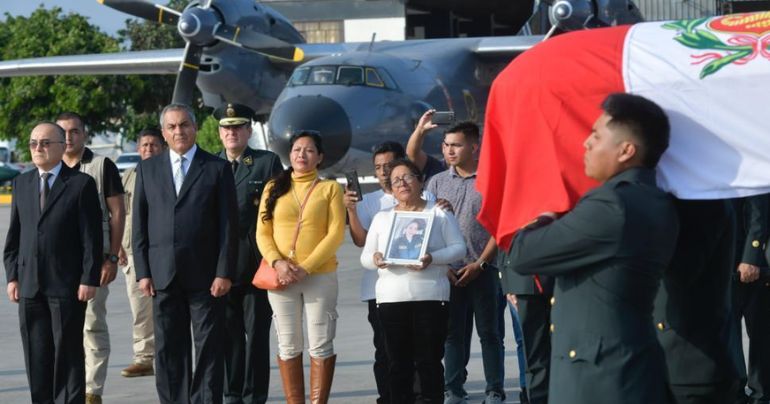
362, 98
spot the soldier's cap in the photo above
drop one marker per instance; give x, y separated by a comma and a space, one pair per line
233, 114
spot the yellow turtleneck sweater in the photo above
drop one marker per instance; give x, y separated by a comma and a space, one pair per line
323, 224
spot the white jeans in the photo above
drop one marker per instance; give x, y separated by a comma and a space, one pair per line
316, 295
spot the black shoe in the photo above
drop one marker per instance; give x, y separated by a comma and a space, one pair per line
523, 399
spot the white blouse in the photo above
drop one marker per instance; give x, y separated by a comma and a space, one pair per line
400, 284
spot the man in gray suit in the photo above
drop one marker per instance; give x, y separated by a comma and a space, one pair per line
608, 255
184, 223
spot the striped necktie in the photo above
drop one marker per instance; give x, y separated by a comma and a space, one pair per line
46, 190
179, 174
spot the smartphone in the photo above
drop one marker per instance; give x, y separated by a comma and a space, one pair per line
353, 184
443, 117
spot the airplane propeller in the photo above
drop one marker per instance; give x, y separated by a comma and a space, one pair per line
202, 26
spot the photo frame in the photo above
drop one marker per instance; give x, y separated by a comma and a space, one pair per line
408, 238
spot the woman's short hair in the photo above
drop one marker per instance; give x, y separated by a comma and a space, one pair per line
408, 164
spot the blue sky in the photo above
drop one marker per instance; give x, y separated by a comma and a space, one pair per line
109, 20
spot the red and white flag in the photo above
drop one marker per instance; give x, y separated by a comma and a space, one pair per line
711, 76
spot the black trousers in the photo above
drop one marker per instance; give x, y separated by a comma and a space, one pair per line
535, 316
52, 338
247, 345
715, 393
174, 309
751, 301
381, 362
415, 333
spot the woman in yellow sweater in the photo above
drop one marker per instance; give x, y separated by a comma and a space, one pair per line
309, 271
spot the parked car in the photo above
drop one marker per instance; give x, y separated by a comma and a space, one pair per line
127, 160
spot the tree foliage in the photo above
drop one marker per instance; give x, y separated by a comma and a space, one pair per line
125, 104
27, 100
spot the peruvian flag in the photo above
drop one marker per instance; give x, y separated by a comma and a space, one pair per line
711, 76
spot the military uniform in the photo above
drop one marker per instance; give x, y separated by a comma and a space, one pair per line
692, 309
534, 308
247, 312
608, 255
751, 301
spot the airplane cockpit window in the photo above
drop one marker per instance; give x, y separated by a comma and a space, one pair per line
350, 75
345, 75
373, 79
386, 79
299, 77
322, 75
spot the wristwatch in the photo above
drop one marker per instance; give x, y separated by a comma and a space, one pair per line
484, 265
112, 257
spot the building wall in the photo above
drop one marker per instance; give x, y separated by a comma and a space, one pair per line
387, 29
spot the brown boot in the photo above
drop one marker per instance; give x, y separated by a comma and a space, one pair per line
321, 375
293, 379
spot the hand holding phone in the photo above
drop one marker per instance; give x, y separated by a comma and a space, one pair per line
353, 184
443, 117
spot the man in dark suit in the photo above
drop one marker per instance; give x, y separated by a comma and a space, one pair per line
53, 258
751, 296
184, 225
692, 310
608, 255
532, 299
247, 311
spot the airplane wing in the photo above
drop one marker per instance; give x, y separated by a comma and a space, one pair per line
140, 62
317, 50
506, 45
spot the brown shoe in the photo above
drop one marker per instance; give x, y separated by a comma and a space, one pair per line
293, 379
321, 375
137, 370
93, 399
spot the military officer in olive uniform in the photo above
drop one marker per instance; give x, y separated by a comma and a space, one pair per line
533, 301
247, 313
751, 296
692, 310
608, 255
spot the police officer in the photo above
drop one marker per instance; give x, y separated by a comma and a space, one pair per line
248, 313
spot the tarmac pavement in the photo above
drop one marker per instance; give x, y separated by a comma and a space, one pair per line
353, 380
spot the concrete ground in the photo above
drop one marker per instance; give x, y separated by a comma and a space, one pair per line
353, 380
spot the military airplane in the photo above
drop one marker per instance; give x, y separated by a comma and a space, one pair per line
355, 94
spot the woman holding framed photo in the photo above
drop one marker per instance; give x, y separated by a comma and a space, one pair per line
300, 226
412, 294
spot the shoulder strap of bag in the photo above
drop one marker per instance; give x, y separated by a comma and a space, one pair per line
292, 251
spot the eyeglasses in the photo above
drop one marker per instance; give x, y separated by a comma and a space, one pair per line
405, 179
43, 143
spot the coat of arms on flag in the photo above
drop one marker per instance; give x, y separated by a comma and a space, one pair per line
731, 39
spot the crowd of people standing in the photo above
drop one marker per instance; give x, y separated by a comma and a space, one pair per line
630, 297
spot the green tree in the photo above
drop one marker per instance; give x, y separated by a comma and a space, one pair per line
208, 135
27, 100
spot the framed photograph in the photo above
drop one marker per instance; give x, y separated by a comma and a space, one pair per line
408, 239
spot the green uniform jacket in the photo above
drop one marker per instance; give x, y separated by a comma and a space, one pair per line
692, 309
520, 285
608, 255
254, 170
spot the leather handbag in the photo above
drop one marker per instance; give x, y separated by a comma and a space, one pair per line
267, 277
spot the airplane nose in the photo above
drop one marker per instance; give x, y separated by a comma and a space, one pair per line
311, 113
